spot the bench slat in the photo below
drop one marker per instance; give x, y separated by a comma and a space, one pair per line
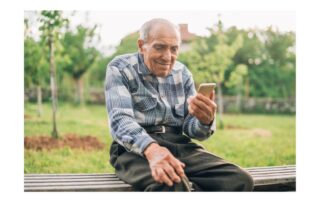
264, 177
271, 171
271, 168
71, 180
69, 175
268, 167
113, 187
268, 181
275, 173
75, 183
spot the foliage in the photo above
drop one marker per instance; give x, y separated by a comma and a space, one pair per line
36, 66
51, 24
268, 54
81, 57
211, 56
237, 76
265, 81
127, 45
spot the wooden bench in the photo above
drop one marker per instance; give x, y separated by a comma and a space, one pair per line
275, 178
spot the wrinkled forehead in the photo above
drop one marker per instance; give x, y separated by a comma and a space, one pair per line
164, 33
167, 42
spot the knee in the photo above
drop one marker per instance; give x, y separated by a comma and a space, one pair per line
239, 180
246, 182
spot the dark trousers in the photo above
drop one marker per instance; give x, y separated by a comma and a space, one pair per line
206, 171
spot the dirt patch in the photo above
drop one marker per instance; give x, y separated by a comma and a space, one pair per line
26, 116
257, 132
261, 132
233, 127
72, 141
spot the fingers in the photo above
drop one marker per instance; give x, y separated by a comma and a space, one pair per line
163, 177
200, 103
200, 110
172, 174
169, 173
155, 176
203, 103
203, 116
213, 95
178, 167
206, 100
165, 168
202, 107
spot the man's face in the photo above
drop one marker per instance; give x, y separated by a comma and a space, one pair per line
161, 50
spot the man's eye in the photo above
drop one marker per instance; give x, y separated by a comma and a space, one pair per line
174, 49
158, 47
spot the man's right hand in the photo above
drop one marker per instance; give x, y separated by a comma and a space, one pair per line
165, 168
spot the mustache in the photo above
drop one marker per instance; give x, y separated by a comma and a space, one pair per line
163, 62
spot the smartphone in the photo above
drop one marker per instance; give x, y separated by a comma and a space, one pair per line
206, 89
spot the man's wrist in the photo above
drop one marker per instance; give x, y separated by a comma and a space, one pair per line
149, 149
207, 124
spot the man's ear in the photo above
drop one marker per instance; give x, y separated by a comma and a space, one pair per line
140, 45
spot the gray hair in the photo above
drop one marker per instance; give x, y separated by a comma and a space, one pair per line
147, 26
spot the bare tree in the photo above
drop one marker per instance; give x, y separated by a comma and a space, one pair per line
51, 24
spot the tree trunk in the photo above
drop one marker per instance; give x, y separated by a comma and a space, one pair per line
39, 101
220, 106
79, 98
247, 88
53, 86
238, 101
238, 98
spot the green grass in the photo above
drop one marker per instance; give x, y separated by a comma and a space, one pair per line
255, 140
247, 140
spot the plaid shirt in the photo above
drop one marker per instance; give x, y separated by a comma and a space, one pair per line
135, 98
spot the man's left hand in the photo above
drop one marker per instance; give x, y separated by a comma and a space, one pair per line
203, 108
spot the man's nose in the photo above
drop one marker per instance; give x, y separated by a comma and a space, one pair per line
166, 55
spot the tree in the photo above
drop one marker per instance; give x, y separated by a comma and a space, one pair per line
270, 58
81, 56
35, 68
127, 45
210, 58
51, 24
236, 80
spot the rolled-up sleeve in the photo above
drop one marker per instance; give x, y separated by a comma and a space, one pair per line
191, 125
124, 129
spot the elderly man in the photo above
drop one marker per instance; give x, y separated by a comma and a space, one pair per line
154, 112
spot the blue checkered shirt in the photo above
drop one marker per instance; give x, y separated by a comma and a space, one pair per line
136, 98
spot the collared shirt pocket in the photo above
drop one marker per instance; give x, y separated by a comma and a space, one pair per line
145, 103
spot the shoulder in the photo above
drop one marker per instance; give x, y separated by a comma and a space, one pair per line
124, 61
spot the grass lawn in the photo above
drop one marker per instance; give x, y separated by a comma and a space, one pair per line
247, 140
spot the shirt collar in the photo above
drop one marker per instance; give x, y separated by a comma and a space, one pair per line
142, 67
